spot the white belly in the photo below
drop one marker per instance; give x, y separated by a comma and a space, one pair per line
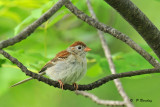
69, 71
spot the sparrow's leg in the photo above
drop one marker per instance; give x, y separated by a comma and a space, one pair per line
75, 86
61, 84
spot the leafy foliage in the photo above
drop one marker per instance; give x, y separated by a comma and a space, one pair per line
55, 35
2, 61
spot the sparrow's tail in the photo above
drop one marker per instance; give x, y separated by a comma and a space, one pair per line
18, 83
42, 73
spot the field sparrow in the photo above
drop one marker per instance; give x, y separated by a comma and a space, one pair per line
68, 66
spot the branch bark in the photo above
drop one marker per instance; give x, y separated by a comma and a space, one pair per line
100, 101
80, 87
139, 21
117, 34
107, 52
146, 32
31, 28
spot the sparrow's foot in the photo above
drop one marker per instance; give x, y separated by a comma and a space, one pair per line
61, 84
75, 86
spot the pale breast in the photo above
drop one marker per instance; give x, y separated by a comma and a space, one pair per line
68, 71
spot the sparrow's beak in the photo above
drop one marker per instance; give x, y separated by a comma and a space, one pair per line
87, 49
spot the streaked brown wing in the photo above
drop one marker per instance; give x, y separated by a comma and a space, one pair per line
61, 55
48, 65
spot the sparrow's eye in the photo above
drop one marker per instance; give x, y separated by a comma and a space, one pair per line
79, 47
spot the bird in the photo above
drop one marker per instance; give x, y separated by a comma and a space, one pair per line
67, 67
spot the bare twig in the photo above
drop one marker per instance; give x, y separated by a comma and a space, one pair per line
100, 101
117, 34
80, 87
109, 58
139, 21
31, 28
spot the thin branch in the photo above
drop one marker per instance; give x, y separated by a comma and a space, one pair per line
117, 34
100, 101
139, 21
80, 87
31, 28
110, 61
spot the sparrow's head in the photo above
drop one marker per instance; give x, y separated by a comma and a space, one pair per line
78, 48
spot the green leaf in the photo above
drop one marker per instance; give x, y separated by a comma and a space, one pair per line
94, 71
123, 63
104, 65
95, 56
56, 17
130, 62
33, 61
9, 14
36, 13
21, 25
8, 74
2, 61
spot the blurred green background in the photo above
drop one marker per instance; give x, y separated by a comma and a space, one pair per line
57, 34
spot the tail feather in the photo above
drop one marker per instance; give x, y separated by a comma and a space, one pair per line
42, 73
21, 82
